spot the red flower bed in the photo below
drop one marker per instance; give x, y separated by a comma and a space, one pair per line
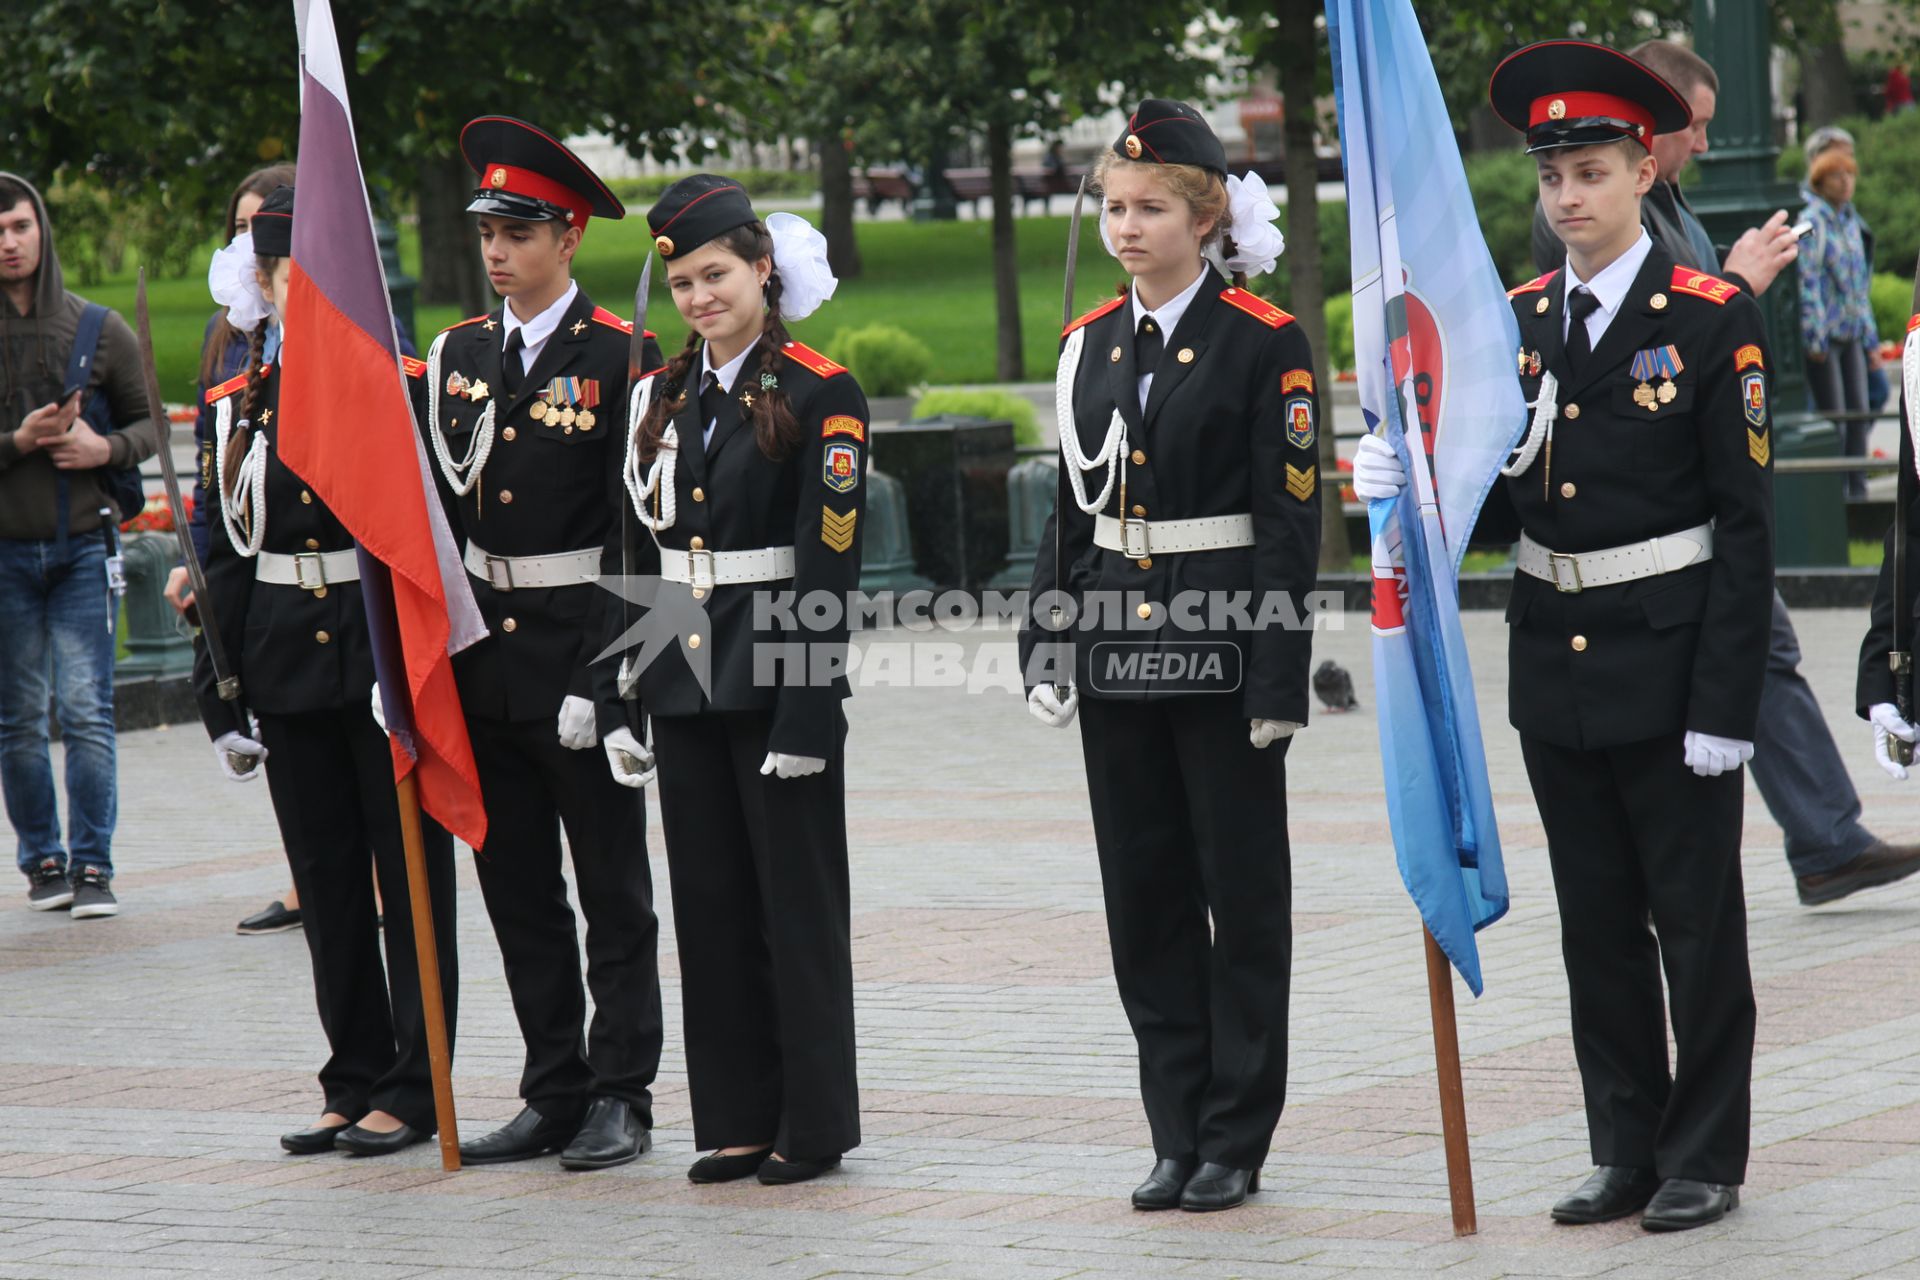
156, 516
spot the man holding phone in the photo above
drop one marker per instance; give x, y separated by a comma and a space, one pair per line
57, 617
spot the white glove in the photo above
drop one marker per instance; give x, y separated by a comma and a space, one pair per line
240, 756
1377, 470
379, 708
1710, 757
782, 765
632, 762
577, 728
1888, 725
1267, 732
1047, 708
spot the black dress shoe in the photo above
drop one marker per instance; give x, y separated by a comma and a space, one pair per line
1879, 864
610, 1135
1215, 1186
311, 1142
719, 1168
275, 917
1681, 1203
527, 1135
1163, 1186
778, 1173
1613, 1191
367, 1142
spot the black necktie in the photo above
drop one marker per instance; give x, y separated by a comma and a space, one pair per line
1580, 305
510, 370
1148, 346
711, 400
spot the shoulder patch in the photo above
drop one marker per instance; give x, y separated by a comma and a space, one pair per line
1256, 306
413, 365
235, 383
1094, 314
1702, 285
479, 319
1534, 285
806, 357
603, 316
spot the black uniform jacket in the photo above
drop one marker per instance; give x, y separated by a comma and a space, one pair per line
1875, 684
729, 496
548, 487
1631, 459
1229, 427
294, 649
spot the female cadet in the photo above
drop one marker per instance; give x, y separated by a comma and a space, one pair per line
1187, 424
746, 470
1642, 501
283, 578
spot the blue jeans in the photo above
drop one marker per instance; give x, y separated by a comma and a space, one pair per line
57, 638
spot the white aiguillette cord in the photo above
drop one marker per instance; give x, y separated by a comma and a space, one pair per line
1546, 408
249, 489
464, 474
1111, 449
659, 477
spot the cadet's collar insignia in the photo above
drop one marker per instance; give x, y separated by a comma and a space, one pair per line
1299, 412
836, 530
841, 424
1753, 398
1748, 357
840, 468
579, 327
1656, 362
266, 416
746, 400
489, 324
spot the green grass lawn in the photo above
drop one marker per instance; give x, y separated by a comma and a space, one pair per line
933, 279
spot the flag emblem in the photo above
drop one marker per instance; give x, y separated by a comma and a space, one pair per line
1300, 422
840, 471
1753, 397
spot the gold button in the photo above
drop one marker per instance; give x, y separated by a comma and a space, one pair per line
506, 495
1115, 357
306, 497
319, 593
696, 542
1145, 562
1579, 644
693, 642
1145, 611
1146, 326
321, 637
1139, 510
699, 494
1540, 307
313, 544
699, 593
1139, 458
1567, 490
508, 434
1572, 411
1658, 302
510, 624
1186, 355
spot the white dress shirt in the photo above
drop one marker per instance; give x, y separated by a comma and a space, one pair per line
537, 330
1609, 287
1166, 316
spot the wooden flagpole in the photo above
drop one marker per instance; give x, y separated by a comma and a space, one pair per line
427, 953
1453, 1097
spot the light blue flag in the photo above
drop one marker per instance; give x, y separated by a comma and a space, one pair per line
1434, 343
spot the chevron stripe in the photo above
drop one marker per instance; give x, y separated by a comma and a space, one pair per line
1759, 446
1302, 484
836, 530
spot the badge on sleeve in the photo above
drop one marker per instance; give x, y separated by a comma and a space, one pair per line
841, 424
1748, 357
840, 471
1753, 397
836, 530
1296, 380
1299, 422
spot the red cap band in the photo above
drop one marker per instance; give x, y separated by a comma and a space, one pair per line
1557, 107
525, 182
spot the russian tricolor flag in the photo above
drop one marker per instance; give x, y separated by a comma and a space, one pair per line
349, 433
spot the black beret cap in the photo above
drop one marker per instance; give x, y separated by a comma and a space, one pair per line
696, 209
1162, 131
272, 224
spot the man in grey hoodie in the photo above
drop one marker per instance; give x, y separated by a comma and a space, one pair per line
57, 615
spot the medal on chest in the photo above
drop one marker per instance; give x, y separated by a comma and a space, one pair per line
1663, 363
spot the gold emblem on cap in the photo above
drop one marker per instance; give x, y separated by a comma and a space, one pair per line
1658, 302
1133, 147
499, 178
664, 244
1557, 109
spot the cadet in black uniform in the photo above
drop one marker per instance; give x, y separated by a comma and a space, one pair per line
1642, 499
284, 582
524, 410
746, 482
1875, 694
1187, 424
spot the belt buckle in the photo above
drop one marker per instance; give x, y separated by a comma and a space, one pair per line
301, 559
1569, 585
700, 570
1133, 539
503, 580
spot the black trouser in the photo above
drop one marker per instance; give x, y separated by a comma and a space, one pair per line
1633, 833
1191, 822
533, 787
331, 777
760, 908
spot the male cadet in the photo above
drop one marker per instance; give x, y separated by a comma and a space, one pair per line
1796, 765
525, 412
1642, 500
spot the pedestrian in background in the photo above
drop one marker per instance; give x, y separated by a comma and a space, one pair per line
1836, 308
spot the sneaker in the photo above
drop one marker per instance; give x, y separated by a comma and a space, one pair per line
47, 887
272, 918
91, 897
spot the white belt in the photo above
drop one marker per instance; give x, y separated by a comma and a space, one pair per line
512, 573
309, 570
1138, 539
1573, 571
705, 569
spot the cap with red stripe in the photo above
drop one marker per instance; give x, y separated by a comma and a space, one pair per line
694, 210
530, 176
1574, 93
1162, 131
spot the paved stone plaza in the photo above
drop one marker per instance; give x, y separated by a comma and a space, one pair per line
148, 1063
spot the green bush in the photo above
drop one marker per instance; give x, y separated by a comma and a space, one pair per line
761, 184
1000, 406
1505, 191
1340, 332
1892, 296
887, 360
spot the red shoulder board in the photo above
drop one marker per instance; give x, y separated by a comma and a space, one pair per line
479, 319
413, 365
1534, 285
603, 316
1256, 306
235, 383
1702, 285
802, 354
1094, 314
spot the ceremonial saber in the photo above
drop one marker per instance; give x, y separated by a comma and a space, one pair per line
226, 684
1900, 656
628, 674
1060, 691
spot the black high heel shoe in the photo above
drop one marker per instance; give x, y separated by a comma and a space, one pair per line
1215, 1186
